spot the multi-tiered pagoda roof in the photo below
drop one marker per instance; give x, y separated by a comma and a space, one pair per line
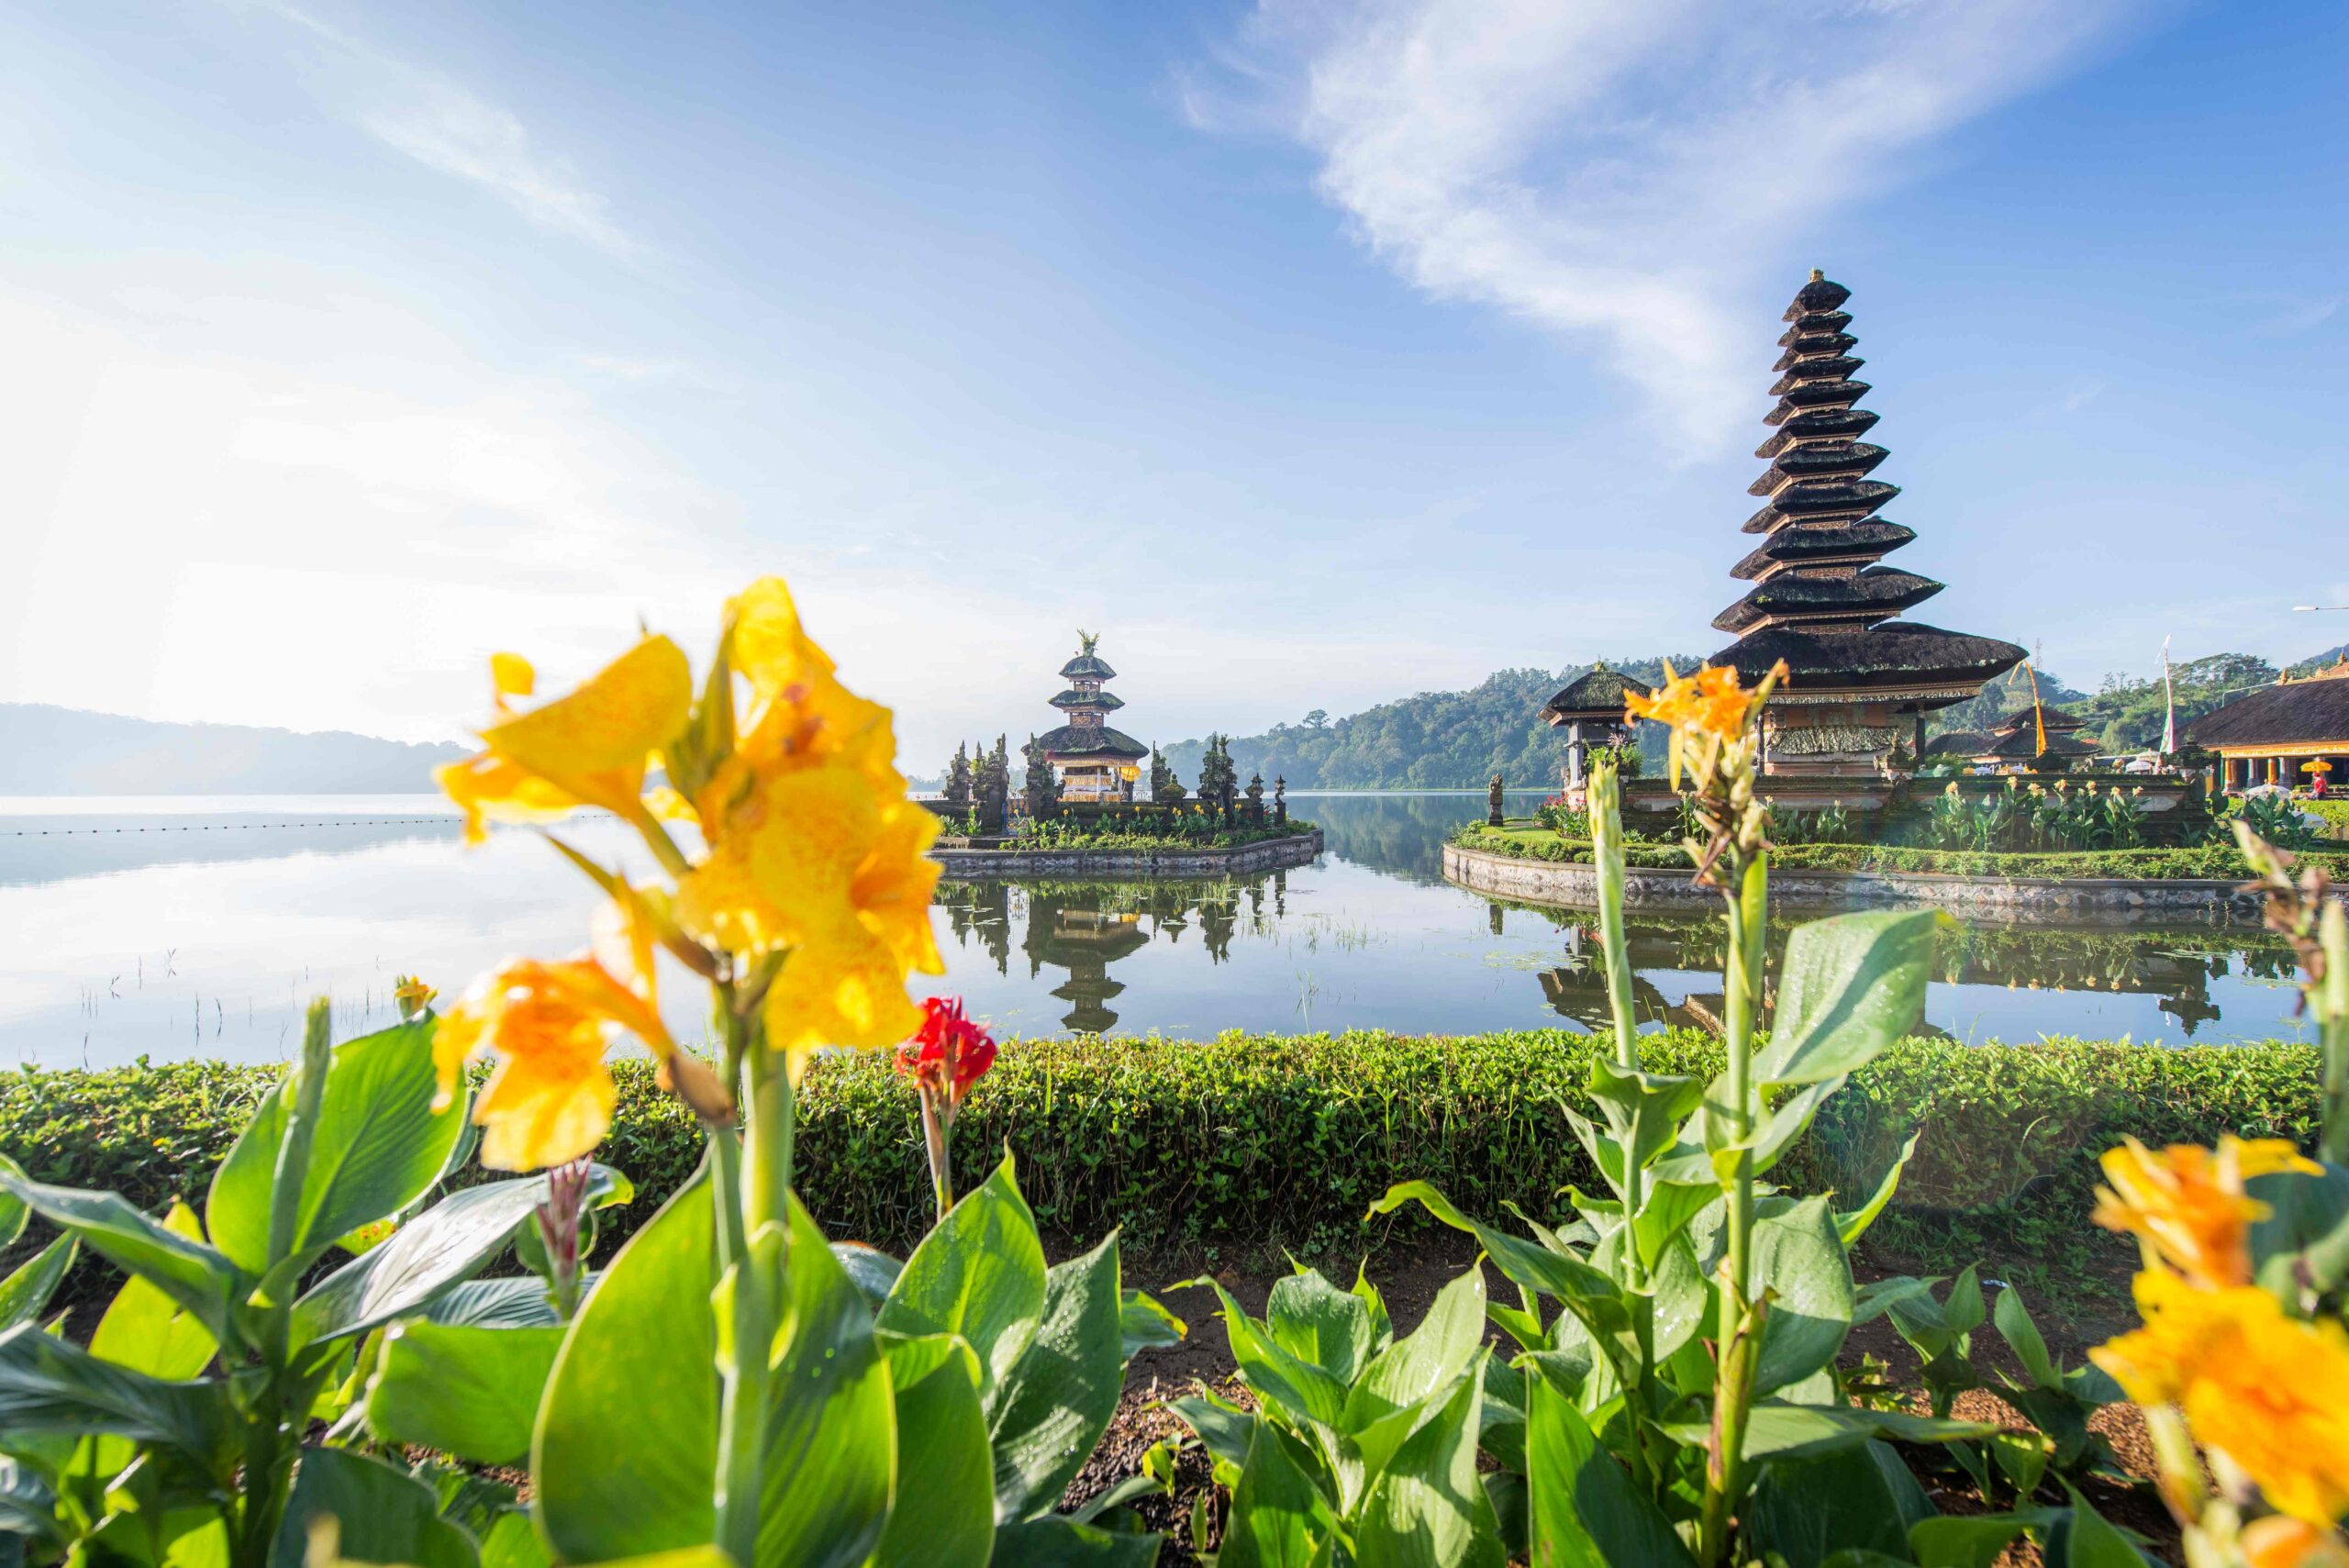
1822, 598
1086, 737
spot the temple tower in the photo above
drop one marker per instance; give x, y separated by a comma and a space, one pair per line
1822, 599
1096, 763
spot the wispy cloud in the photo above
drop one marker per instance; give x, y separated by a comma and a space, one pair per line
2288, 316
1630, 174
448, 128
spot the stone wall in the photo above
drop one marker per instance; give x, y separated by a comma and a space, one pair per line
2019, 897
1272, 854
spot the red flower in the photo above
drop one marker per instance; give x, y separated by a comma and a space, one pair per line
949, 1052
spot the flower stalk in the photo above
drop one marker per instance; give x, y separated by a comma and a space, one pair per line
945, 1057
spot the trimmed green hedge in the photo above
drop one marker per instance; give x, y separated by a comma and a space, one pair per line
2209, 861
1250, 1141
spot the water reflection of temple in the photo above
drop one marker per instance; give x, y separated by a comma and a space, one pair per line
2176, 968
1083, 928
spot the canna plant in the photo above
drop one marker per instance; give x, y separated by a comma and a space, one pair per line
1676, 1397
2241, 1364
735, 1385
176, 1435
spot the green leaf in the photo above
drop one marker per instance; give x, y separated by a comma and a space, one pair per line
471, 1392
24, 1295
831, 1425
147, 1331
1853, 1224
945, 1475
1223, 1430
1799, 1257
1962, 1308
2024, 1338
1053, 1405
516, 1303
375, 1148
1586, 1512
1314, 1321
1430, 1358
13, 1214
626, 1452
1297, 1389
873, 1271
2306, 1232
1144, 1325
1427, 1508
49, 1384
1589, 1292
188, 1272
27, 1510
443, 1245
1851, 985
2091, 1543
512, 1541
1055, 1542
1803, 1512
1278, 1518
1973, 1541
1649, 1106
386, 1515
1876, 1297
1775, 1430
979, 1274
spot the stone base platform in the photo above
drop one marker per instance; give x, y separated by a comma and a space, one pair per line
2120, 900
1271, 854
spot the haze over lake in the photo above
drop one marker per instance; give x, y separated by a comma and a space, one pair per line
193, 926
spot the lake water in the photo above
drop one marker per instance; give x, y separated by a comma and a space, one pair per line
181, 927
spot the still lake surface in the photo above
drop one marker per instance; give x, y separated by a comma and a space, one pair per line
176, 927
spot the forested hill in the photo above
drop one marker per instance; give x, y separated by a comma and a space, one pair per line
1460, 740
63, 750
1434, 740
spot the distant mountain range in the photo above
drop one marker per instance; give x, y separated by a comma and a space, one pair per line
65, 750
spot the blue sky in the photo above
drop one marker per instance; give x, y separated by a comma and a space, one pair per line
1317, 353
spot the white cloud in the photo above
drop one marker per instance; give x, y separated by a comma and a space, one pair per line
1636, 175
448, 128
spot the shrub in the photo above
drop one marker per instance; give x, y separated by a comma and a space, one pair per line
1192, 1145
2210, 862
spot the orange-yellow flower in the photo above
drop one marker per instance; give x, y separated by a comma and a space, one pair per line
549, 1024
2282, 1541
2270, 1392
1706, 704
2187, 1203
589, 747
411, 995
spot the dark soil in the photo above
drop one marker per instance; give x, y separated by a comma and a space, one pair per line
1409, 1280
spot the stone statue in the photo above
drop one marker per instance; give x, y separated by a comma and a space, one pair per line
1280, 801
1254, 813
1493, 803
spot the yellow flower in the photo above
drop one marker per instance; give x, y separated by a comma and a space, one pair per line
589, 747
2278, 1542
550, 1024
813, 845
411, 995
2268, 1391
2188, 1203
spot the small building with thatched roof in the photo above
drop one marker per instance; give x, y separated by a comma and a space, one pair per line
1591, 708
2280, 734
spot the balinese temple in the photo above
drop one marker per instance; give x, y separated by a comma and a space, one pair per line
1591, 709
1861, 678
2278, 734
1097, 764
2015, 743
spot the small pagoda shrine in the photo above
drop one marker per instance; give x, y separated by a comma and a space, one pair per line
1096, 765
1859, 681
2016, 741
1590, 709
